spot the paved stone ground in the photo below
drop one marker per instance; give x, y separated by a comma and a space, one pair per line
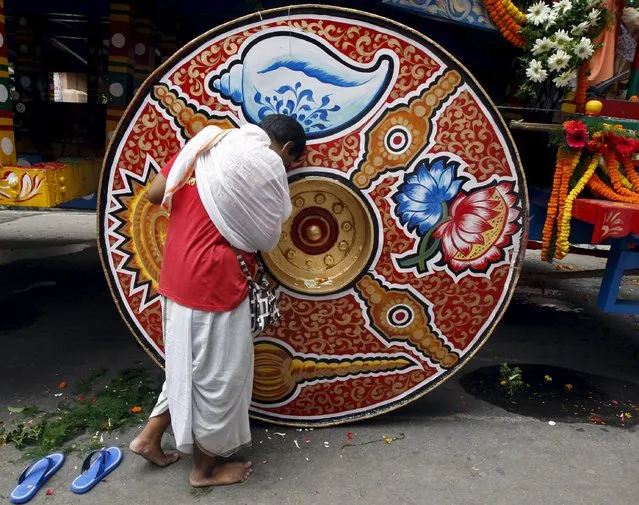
58, 323
32, 234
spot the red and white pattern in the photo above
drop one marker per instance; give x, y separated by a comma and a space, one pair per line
343, 360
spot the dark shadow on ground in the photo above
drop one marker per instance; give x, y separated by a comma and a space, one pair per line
557, 394
61, 323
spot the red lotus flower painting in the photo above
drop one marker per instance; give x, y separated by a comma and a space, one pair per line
480, 225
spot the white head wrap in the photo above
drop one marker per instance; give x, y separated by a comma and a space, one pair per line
241, 181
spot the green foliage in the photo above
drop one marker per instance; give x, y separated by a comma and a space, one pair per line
511, 379
93, 410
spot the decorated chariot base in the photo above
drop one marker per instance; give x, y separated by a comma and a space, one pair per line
596, 156
409, 219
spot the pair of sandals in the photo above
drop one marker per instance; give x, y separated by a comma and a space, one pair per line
96, 466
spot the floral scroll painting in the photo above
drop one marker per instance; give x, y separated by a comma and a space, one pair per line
468, 12
409, 206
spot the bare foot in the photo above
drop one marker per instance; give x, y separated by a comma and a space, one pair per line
223, 475
153, 452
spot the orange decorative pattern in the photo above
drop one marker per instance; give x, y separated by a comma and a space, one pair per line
408, 123
338, 155
399, 317
278, 373
190, 120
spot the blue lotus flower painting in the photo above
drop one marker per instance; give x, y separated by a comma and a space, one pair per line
422, 203
422, 196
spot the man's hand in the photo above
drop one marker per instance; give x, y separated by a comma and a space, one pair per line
155, 193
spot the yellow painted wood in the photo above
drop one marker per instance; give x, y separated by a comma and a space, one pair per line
48, 184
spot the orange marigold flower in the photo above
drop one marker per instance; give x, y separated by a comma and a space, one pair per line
62, 385
136, 410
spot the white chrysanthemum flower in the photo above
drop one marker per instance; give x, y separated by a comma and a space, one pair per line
593, 16
584, 48
536, 71
538, 13
543, 45
552, 19
562, 6
563, 80
580, 28
562, 38
594, 3
558, 61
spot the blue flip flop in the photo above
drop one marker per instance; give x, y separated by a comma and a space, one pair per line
96, 469
34, 477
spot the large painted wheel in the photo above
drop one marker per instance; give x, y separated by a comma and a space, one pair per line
409, 219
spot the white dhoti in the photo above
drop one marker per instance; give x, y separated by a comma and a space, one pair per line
209, 378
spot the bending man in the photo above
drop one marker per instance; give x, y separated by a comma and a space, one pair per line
226, 191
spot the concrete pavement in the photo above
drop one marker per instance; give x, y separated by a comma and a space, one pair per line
58, 323
41, 234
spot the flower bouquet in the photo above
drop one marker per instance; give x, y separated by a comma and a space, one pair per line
558, 39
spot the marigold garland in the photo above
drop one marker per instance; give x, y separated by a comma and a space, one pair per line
508, 27
563, 158
588, 144
615, 176
568, 170
601, 189
563, 244
553, 205
631, 172
582, 87
514, 11
625, 182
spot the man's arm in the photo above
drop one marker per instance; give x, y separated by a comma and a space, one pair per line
155, 193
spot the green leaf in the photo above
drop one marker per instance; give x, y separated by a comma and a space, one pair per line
16, 410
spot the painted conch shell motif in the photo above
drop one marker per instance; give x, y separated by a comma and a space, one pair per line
294, 74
